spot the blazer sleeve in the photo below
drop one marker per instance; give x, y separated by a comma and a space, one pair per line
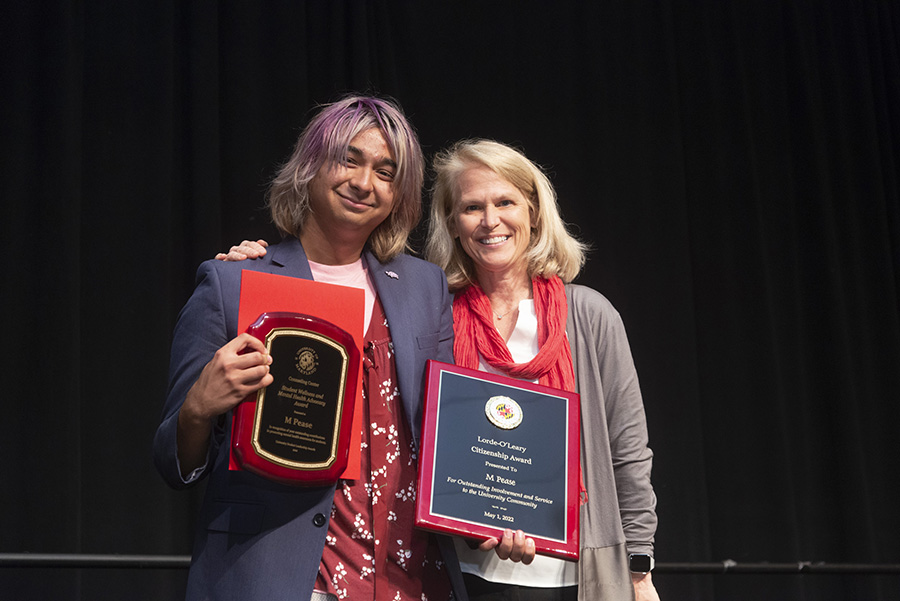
199, 332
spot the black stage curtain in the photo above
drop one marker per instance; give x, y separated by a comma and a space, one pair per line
734, 166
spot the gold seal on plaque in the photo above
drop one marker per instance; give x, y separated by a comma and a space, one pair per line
503, 412
307, 361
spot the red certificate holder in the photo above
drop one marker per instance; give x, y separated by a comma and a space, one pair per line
499, 453
297, 430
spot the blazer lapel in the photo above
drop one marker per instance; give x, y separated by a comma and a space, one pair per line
290, 259
393, 292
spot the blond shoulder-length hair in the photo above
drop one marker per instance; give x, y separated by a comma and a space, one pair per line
552, 249
324, 142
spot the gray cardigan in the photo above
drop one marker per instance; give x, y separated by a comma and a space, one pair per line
620, 515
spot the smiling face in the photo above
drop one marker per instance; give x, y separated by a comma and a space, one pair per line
492, 220
349, 201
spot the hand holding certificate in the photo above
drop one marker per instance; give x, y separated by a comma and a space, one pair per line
499, 453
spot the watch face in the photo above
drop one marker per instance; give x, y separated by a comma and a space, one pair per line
640, 562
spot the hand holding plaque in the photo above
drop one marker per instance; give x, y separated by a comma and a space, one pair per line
297, 430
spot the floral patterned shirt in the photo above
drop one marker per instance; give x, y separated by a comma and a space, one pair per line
372, 550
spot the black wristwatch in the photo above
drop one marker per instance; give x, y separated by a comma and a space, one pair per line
640, 563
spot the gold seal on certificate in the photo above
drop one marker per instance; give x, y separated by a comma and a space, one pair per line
503, 412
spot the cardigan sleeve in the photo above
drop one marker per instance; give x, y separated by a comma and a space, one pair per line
616, 425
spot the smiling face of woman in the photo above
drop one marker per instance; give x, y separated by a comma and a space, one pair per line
493, 223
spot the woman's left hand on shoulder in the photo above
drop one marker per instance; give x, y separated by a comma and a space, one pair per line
248, 249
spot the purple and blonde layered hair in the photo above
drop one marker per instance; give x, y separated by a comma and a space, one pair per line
324, 143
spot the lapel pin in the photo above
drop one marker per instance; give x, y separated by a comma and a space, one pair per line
392, 275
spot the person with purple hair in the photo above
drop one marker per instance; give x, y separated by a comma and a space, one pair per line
345, 203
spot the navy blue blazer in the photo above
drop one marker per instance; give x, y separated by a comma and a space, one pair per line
257, 539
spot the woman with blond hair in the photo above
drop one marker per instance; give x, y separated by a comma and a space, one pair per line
496, 231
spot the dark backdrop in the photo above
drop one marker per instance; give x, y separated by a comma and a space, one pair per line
734, 166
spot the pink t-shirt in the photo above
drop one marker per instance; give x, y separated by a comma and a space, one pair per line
354, 275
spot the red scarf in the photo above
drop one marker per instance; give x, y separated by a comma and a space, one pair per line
474, 333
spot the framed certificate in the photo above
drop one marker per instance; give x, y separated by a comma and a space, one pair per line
499, 453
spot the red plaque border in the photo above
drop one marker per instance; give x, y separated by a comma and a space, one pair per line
245, 447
